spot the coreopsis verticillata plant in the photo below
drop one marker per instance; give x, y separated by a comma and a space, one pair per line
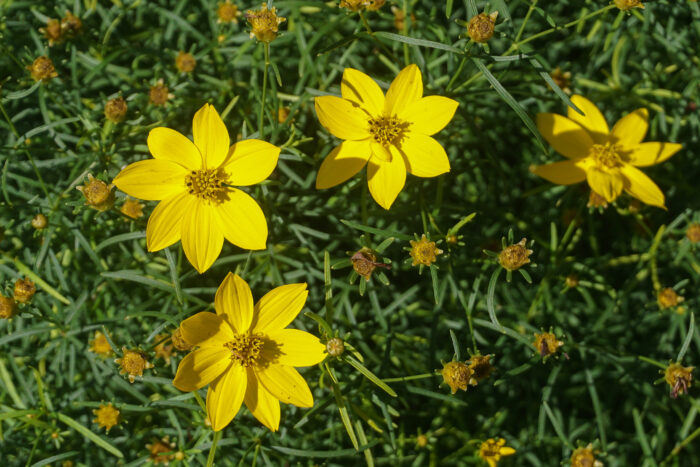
247, 354
195, 184
606, 159
391, 135
492, 450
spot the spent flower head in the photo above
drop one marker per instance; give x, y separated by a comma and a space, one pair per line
24, 290
668, 298
335, 347
100, 345
159, 451
115, 109
625, 5
159, 94
42, 69
264, 23
679, 378
423, 251
164, 349
71, 25
562, 79
514, 256
39, 222
481, 368
8, 307
354, 5
132, 209
584, 457
546, 344
98, 194
52, 32
185, 62
106, 416
133, 363
179, 342
692, 233
482, 26
227, 12
492, 450
457, 375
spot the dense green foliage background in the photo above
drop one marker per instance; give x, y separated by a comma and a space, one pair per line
98, 275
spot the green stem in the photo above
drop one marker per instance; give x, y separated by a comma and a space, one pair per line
406, 56
652, 361
261, 119
408, 378
527, 18
212, 450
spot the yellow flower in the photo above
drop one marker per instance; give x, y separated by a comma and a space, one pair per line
133, 363
106, 416
246, 355
515, 256
492, 451
625, 5
678, 377
456, 375
24, 290
390, 135
668, 298
423, 251
264, 23
607, 159
100, 345
194, 182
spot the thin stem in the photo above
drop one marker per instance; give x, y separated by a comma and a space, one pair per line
408, 378
212, 450
527, 18
261, 119
365, 23
406, 56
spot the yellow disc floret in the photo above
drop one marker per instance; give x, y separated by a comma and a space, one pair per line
264, 23
24, 290
133, 363
245, 349
679, 378
514, 256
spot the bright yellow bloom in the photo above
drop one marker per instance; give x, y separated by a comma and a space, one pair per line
424, 251
607, 159
247, 355
100, 345
391, 135
492, 451
107, 416
194, 182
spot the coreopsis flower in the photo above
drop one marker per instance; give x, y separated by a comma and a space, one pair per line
159, 94
693, 233
353, 5
491, 451
227, 12
423, 251
106, 416
607, 159
584, 457
39, 222
456, 375
247, 354
264, 23
375, 5
52, 31
115, 109
596, 201
133, 363
391, 135
546, 344
100, 345
24, 290
158, 451
679, 378
185, 62
8, 307
42, 69
98, 195
132, 209
482, 26
667, 298
514, 256
195, 184
481, 368
625, 5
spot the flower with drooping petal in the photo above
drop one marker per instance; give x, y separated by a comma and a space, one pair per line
391, 135
491, 451
195, 184
247, 354
607, 159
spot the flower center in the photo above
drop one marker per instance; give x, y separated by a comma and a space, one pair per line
387, 130
245, 349
606, 155
207, 184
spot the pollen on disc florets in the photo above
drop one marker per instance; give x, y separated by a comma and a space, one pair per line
606, 155
424, 251
206, 184
264, 23
457, 375
514, 256
133, 363
387, 130
245, 348
546, 344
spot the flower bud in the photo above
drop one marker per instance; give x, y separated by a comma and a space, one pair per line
514, 256
335, 347
227, 12
115, 109
97, 194
39, 221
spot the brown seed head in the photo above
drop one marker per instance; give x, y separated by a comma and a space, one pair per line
8, 307
625, 5
335, 347
179, 342
482, 26
185, 62
159, 94
115, 109
158, 448
97, 193
481, 368
693, 233
514, 256
39, 221
264, 23
457, 375
668, 298
24, 290
42, 69
52, 31
679, 378
546, 344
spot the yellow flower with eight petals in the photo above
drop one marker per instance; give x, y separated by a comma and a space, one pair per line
607, 159
194, 183
246, 355
390, 134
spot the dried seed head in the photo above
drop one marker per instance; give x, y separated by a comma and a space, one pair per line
482, 26
456, 375
364, 262
584, 457
158, 448
133, 363
481, 368
179, 342
546, 344
668, 298
132, 209
8, 307
264, 23
227, 12
39, 221
625, 5
107, 416
24, 290
115, 109
679, 378
335, 347
42, 69
159, 94
71, 25
97, 193
185, 62
514, 256
693, 233
52, 31
423, 251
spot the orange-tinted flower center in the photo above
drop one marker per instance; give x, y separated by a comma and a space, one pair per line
606, 155
207, 184
387, 130
245, 349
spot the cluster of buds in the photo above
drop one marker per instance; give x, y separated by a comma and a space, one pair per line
57, 31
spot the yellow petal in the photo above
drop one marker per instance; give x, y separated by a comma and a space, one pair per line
206, 329
631, 129
386, 180
380, 151
647, 154
261, 403
170, 145
298, 348
210, 136
152, 179
342, 118
201, 367
202, 238
425, 157
429, 115
642, 187
561, 173
593, 121
225, 396
506, 451
286, 384
606, 184
567, 137
362, 90
278, 308
250, 161
342, 163
165, 223
234, 302
242, 221
406, 89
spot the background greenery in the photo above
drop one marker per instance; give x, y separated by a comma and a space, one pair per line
98, 275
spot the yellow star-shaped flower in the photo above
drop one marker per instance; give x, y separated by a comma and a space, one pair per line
607, 159
391, 135
195, 184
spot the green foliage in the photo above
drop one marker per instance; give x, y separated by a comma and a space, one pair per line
93, 272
